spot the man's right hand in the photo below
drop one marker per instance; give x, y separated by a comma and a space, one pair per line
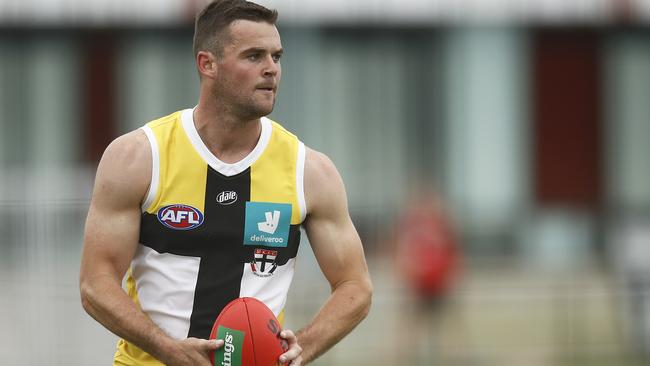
193, 352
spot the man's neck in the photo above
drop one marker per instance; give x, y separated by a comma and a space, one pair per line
229, 138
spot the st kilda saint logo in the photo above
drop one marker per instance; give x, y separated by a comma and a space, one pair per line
263, 264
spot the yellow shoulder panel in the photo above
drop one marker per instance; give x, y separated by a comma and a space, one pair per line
273, 175
178, 160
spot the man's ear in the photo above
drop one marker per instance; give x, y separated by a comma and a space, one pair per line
206, 63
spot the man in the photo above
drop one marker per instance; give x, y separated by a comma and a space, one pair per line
205, 205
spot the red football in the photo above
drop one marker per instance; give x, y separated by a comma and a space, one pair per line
251, 333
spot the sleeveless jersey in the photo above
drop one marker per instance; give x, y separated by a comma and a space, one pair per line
211, 232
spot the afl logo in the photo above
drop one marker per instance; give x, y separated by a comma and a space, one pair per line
227, 197
180, 217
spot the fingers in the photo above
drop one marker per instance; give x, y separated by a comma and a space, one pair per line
194, 351
296, 362
205, 344
213, 344
289, 336
293, 354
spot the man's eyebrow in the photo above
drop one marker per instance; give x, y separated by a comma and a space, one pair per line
261, 49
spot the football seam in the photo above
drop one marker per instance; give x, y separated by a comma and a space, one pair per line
250, 331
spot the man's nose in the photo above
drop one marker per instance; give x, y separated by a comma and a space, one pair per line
271, 67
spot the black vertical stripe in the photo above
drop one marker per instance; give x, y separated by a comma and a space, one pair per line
221, 267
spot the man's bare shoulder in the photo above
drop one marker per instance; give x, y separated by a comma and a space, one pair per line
318, 164
128, 154
125, 167
323, 184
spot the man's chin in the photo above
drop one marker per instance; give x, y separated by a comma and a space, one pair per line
258, 111
265, 109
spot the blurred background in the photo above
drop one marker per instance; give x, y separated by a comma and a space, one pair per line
496, 155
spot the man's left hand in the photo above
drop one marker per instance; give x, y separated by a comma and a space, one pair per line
293, 357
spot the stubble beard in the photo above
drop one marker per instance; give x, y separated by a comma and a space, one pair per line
242, 108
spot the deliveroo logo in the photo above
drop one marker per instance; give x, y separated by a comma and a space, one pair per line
271, 224
231, 352
267, 224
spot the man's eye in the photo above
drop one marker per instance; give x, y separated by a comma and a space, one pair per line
253, 57
277, 58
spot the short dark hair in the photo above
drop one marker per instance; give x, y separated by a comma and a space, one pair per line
210, 27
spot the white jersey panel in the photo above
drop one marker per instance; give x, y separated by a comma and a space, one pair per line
155, 168
271, 290
155, 275
300, 181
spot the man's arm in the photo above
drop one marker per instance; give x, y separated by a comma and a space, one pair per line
339, 252
110, 240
